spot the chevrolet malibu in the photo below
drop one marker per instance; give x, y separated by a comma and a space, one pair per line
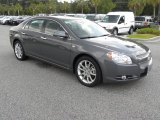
82, 46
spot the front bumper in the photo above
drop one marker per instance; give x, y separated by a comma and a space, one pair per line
119, 73
141, 26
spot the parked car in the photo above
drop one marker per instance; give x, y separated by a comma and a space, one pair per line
119, 22
1, 18
80, 15
83, 46
70, 15
5, 20
10, 22
99, 17
91, 17
143, 21
20, 19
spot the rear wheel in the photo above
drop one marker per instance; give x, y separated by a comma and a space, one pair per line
88, 71
19, 51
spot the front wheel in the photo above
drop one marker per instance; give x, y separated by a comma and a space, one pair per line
131, 31
19, 51
115, 31
88, 71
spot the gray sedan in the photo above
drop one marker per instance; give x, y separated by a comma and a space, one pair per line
82, 46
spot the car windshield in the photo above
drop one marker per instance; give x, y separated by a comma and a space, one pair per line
85, 28
139, 19
111, 18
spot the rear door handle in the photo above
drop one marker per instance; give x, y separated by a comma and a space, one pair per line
43, 38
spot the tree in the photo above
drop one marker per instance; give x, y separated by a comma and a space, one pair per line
18, 8
33, 8
2, 9
106, 6
40, 8
7, 9
81, 4
96, 3
154, 3
51, 6
137, 6
64, 7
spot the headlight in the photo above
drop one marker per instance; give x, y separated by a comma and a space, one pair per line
119, 58
108, 27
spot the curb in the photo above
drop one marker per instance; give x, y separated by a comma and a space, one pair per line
154, 39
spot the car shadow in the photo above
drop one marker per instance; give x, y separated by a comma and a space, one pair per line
70, 74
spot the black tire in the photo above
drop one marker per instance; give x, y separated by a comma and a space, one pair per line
97, 80
22, 56
131, 30
115, 31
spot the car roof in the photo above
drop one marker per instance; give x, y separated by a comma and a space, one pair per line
120, 13
63, 17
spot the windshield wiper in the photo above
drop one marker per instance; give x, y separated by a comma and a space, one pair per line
94, 36
88, 37
104, 35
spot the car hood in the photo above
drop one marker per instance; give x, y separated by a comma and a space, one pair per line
118, 44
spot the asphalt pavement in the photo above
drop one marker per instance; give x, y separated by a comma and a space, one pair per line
33, 90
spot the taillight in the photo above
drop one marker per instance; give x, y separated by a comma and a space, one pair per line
145, 23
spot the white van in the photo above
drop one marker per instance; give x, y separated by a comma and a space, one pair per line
119, 22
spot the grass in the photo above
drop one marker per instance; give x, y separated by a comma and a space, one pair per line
142, 36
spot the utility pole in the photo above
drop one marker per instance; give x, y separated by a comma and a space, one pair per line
8, 5
159, 13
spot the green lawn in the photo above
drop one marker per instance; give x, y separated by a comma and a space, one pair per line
141, 36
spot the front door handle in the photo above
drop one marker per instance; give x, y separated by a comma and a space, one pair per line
43, 38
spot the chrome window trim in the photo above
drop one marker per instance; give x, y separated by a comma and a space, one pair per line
49, 19
30, 21
57, 23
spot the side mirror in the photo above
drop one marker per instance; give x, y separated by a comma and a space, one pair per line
61, 34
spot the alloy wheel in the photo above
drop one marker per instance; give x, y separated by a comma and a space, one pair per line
86, 72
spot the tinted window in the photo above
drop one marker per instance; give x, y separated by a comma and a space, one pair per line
122, 19
149, 20
139, 19
90, 17
35, 25
111, 18
53, 28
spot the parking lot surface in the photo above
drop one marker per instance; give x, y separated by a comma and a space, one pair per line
33, 90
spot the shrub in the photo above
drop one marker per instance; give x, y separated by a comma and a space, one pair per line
149, 31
